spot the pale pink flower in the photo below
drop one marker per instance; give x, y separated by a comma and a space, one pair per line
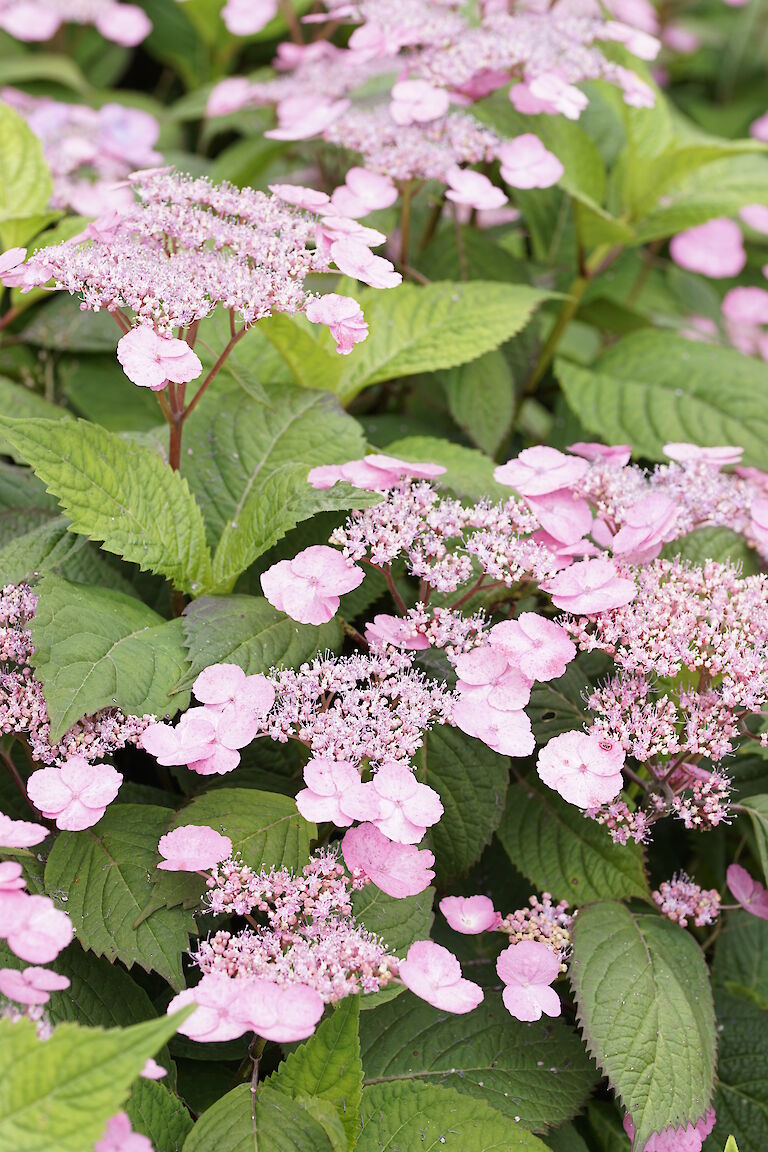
524, 101
300, 117
695, 454
374, 473
465, 186
125, 24
749, 892
527, 969
10, 260
746, 305
540, 648
11, 877
618, 454
308, 587
193, 848
229, 96
31, 985
332, 228
31, 21
153, 1071
714, 249
540, 470
646, 525
354, 259
396, 803
563, 516
639, 43
35, 929
758, 522
584, 769
759, 128
400, 870
343, 316
151, 361
637, 94
239, 702
328, 783
470, 914
755, 216
558, 95
486, 677
120, 1137
20, 833
589, 587
433, 974
246, 17
690, 1138
507, 732
301, 197
363, 192
220, 1012
76, 794
417, 102
282, 1013
526, 163
195, 741
397, 631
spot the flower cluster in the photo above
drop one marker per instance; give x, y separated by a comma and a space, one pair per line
32, 927
680, 899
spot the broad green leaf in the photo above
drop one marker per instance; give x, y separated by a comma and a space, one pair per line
248, 631
472, 781
720, 544
278, 1124
120, 493
60, 1093
158, 1114
404, 1116
537, 1072
63, 327
481, 399
328, 1066
717, 189
741, 1099
567, 1140
562, 852
757, 810
645, 1005
51, 547
43, 66
25, 182
435, 326
469, 473
99, 390
96, 648
21, 403
264, 827
741, 956
308, 350
397, 922
473, 253
100, 994
653, 387
103, 878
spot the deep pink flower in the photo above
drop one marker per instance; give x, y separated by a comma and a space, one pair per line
589, 587
20, 833
308, 587
619, 454
193, 848
470, 914
398, 869
247, 17
238, 702
151, 361
76, 794
11, 877
646, 525
375, 473
396, 803
749, 892
397, 631
434, 974
714, 249
354, 259
35, 929
221, 1010
417, 102
343, 316
282, 1013
540, 470
465, 186
688, 1139
363, 192
120, 1137
527, 969
695, 454
526, 163
328, 782
31, 985
540, 648
585, 769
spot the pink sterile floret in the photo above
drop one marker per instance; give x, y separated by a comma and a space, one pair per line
31, 985
756, 216
35, 929
328, 783
434, 974
563, 516
688, 1139
396, 803
646, 525
301, 196
527, 969
151, 360
11, 878
716, 457
488, 678
238, 703
417, 102
76, 794
540, 648
507, 731
282, 1013
220, 1009
714, 249
558, 95
120, 1137
526, 163
465, 186
374, 473
300, 117
11, 259
20, 833
193, 848
398, 869
397, 631
308, 587
246, 17
619, 454
470, 914
229, 96
343, 316
153, 1071
352, 257
590, 587
537, 471
585, 769
363, 192
195, 741
749, 892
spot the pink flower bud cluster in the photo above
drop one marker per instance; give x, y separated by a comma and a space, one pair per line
34, 930
37, 20
680, 899
544, 921
89, 150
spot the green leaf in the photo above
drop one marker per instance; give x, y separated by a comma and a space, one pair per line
472, 782
741, 1099
645, 1005
397, 922
99, 390
757, 810
537, 1072
653, 387
720, 544
562, 852
248, 631
100, 994
120, 493
25, 182
20, 402
481, 399
264, 827
730, 1145
51, 547
96, 648
159, 1114
103, 879
404, 1116
328, 1066
717, 189
741, 957
278, 1124
60, 1093
469, 473
558, 706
